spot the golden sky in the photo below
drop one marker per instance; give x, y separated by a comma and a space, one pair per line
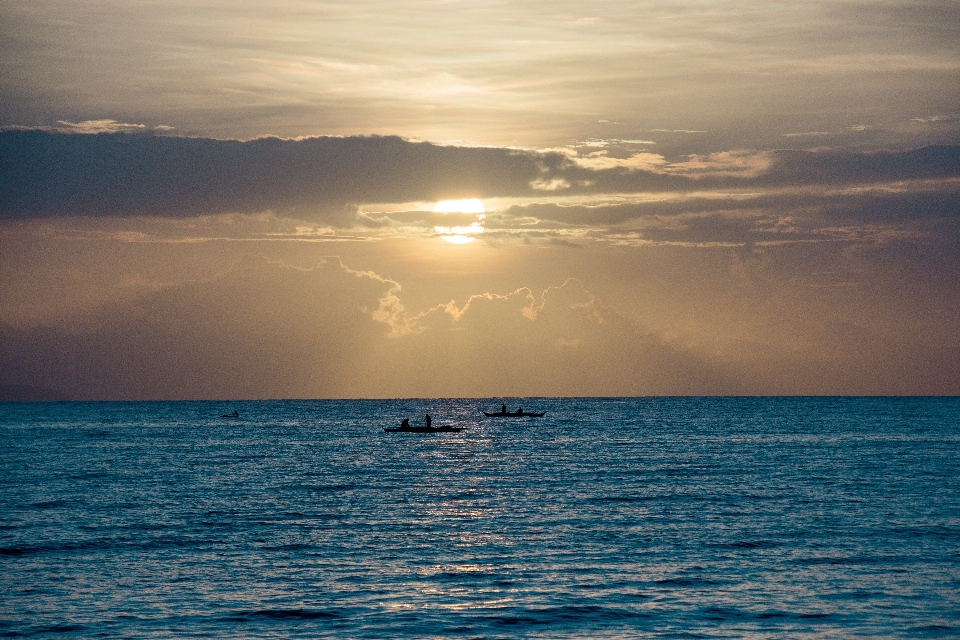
239, 200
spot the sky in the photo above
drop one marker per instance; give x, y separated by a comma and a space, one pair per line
452, 198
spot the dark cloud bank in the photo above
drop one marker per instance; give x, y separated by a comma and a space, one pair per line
49, 174
44, 174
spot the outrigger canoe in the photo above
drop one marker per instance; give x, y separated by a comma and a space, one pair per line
446, 428
514, 414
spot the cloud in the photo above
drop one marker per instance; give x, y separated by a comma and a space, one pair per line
611, 142
844, 167
806, 134
740, 163
296, 68
929, 119
98, 126
600, 173
643, 161
262, 330
45, 174
554, 184
93, 126
268, 330
901, 202
48, 174
779, 168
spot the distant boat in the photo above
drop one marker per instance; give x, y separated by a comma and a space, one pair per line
235, 414
514, 414
446, 428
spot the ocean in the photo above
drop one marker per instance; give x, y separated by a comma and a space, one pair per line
616, 517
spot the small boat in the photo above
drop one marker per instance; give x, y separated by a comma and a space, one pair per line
514, 414
446, 428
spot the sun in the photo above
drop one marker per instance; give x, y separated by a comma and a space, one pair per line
469, 215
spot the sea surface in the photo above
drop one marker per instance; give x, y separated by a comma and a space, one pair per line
617, 517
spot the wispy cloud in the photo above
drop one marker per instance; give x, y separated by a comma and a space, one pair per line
98, 126
599, 160
807, 134
453, 71
93, 126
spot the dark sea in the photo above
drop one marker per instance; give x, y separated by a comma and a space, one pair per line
606, 518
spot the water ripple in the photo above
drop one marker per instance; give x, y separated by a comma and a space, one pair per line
620, 517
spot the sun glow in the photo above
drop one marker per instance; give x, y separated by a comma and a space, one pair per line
462, 233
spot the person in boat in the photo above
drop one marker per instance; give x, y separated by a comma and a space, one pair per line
428, 420
503, 408
405, 424
519, 409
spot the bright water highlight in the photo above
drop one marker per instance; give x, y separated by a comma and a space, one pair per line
659, 517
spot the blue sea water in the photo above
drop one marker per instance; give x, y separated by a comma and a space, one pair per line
621, 517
